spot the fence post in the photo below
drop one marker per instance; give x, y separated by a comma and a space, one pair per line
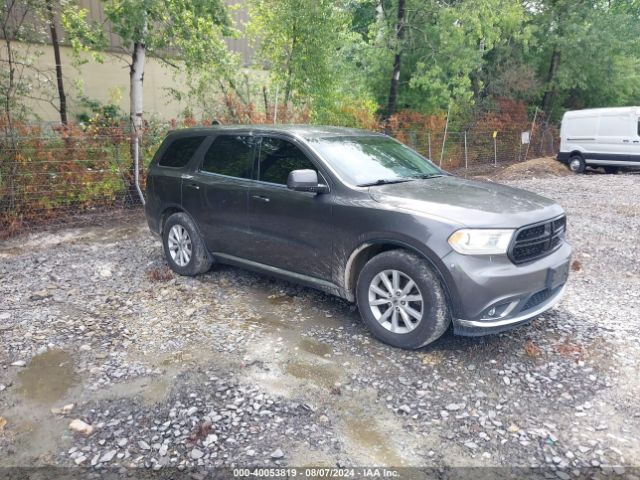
533, 125
429, 139
495, 151
466, 160
444, 139
136, 174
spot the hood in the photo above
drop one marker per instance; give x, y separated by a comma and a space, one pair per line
468, 202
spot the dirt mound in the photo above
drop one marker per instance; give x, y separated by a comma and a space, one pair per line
537, 167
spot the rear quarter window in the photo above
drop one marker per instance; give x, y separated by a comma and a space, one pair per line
180, 151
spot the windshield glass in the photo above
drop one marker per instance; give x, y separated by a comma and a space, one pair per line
363, 160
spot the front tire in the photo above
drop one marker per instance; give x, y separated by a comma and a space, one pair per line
577, 164
183, 247
401, 300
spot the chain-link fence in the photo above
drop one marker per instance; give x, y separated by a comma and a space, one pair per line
475, 152
58, 177
67, 177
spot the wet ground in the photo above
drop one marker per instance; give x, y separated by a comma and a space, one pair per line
233, 368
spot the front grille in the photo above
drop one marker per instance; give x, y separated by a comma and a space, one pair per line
537, 241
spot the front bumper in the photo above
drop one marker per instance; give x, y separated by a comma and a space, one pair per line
474, 328
496, 295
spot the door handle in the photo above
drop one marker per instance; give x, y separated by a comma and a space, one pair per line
261, 198
625, 141
193, 185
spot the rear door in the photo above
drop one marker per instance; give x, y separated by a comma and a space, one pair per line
289, 230
215, 192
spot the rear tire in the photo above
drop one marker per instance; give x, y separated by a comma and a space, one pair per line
396, 311
183, 247
577, 164
611, 170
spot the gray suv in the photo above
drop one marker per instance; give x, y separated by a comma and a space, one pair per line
359, 215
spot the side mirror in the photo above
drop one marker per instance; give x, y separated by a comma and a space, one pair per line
305, 181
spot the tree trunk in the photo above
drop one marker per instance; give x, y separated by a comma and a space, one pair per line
136, 77
10, 132
547, 100
56, 52
395, 75
266, 104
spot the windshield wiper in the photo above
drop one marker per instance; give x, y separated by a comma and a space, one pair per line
383, 181
428, 175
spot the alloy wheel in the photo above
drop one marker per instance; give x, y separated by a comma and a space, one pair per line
179, 243
396, 301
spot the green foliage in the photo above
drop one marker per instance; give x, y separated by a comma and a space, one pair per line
84, 35
598, 49
185, 32
311, 53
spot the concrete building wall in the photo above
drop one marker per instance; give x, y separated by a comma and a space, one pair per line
108, 82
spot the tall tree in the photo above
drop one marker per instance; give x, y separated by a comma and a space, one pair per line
55, 43
432, 50
588, 53
182, 34
397, 58
310, 52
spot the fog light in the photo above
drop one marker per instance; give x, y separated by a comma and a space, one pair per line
499, 311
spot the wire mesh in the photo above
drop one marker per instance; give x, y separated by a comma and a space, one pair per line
66, 178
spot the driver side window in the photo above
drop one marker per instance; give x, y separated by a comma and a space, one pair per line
279, 157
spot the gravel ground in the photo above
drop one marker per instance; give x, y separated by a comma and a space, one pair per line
233, 368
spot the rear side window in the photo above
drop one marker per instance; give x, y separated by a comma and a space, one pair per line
180, 151
230, 155
278, 158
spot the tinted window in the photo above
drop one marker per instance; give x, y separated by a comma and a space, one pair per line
278, 158
180, 151
230, 155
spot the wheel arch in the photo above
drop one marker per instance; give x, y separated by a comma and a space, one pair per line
166, 213
170, 210
369, 249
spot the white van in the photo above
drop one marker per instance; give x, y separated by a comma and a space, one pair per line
600, 137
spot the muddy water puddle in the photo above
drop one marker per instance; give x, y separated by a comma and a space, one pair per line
48, 377
314, 347
362, 435
321, 375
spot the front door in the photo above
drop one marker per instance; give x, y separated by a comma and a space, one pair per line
290, 230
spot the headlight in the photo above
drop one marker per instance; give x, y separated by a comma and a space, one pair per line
480, 241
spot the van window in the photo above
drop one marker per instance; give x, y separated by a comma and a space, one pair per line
230, 155
178, 154
614, 126
639, 127
581, 126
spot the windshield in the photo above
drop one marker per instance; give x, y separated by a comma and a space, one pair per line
367, 160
